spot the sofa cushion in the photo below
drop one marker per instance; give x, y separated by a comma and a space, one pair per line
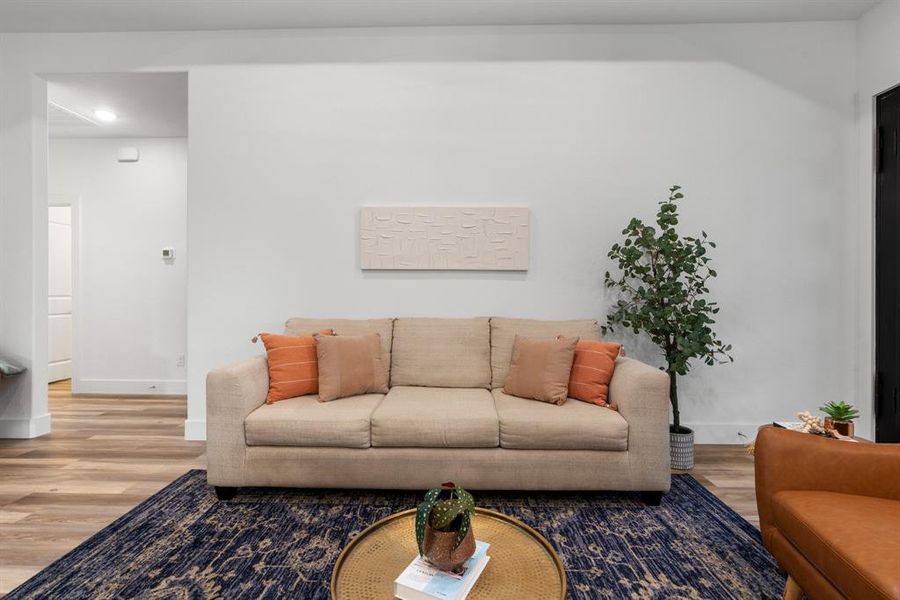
442, 353
383, 327
842, 536
539, 369
293, 365
350, 365
529, 425
592, 370
425, 417
305, 421
504, 332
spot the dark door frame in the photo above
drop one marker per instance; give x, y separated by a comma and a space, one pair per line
879, 392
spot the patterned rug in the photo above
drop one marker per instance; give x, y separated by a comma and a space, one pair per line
183, 543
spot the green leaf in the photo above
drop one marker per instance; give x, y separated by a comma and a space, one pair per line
423, 511
465, 525
445, 512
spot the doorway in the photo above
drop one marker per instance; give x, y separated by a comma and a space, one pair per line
887, 266
61, 236
117, 229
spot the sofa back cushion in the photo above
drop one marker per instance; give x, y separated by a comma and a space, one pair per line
441, 353
504, 332
383, 327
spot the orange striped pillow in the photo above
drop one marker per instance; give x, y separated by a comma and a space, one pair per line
293, 365
592, 371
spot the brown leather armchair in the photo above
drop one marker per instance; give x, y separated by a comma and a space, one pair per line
829, 512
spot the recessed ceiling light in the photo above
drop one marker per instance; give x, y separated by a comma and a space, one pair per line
105, 115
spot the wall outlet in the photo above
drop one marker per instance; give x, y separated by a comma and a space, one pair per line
179, 362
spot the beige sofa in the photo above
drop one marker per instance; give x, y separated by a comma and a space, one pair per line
445, 418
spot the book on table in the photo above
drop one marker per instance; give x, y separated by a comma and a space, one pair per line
421, 581
792, 425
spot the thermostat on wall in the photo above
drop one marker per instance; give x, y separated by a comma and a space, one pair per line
168, 253
129, 154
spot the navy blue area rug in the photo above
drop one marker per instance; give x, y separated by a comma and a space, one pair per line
183, 543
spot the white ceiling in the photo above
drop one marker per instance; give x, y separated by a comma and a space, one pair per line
186, 15
147, 104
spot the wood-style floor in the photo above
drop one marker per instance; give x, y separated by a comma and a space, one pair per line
106, 455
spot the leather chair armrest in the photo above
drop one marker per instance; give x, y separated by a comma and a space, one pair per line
790, 460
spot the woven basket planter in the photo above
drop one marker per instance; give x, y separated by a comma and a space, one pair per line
681, 447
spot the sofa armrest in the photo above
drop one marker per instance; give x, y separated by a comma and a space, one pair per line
641, 393
790, 460
232, 393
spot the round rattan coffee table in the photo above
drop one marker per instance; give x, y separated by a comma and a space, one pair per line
522, 565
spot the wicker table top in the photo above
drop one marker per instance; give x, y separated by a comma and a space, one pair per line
522, 565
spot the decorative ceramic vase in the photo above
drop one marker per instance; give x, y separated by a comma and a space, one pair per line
844, 428
681, 448
439, 550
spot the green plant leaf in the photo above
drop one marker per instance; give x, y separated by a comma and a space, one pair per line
423, 511
445, 512
840, 411
466, 498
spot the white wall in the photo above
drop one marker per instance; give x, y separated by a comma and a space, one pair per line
132, 305
878, 60
292, 131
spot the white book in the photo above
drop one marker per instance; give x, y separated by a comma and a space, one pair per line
421, 581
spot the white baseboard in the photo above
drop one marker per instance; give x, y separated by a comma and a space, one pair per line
25, 428
724, 433
130, 387
194, 430
57, 371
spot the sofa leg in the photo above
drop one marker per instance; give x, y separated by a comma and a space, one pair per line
225, 493
652, 498
792, 591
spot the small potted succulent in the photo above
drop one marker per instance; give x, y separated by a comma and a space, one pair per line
840, 416
444, 527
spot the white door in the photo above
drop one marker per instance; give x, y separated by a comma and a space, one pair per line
60, 293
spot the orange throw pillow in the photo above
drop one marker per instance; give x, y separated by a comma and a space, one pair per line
293, 365
592, 371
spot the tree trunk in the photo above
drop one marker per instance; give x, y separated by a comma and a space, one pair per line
673, 397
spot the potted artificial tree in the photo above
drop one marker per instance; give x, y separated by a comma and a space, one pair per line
663, 285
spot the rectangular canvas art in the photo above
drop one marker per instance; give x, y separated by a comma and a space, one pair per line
445, 238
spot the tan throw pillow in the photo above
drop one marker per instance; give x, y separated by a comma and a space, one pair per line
350, 365
539, 369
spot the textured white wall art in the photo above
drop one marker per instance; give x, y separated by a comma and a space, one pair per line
445, 238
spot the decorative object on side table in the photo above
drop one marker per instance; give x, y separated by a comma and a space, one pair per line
523, 563
841, 416
9, 369
663, 285
809, 423
444, 527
